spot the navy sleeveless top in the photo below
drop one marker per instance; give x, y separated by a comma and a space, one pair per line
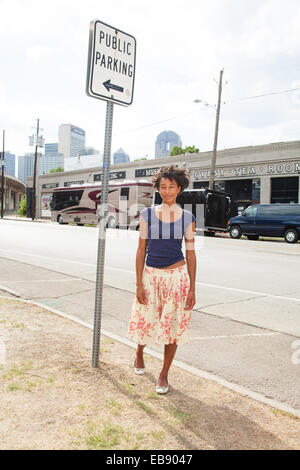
164, 246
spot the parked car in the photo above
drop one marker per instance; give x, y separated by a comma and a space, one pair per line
270, 220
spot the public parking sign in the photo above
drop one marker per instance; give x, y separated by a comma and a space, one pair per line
111, 64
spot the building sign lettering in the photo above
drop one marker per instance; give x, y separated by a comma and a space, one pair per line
69, 183
115, 175
145, 172
50, 185
271, 169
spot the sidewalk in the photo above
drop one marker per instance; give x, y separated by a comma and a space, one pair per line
25, 219
51, 397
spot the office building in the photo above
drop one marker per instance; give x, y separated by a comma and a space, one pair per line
10, 164
25, 166
120, 156
50, 162
71, 140
165, 142
51, 148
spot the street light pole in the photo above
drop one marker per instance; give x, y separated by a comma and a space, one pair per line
33, 205
214, 155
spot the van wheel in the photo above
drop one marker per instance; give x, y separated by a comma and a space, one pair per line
291, 235
235, 231
111, 223
60, 219
253, 237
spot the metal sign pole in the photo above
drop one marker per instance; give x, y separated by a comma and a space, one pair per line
102, 230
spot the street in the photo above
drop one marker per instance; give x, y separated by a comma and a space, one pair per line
246, 319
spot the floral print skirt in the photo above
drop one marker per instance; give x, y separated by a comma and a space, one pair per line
164, 319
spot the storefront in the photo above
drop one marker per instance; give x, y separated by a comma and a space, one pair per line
259, 174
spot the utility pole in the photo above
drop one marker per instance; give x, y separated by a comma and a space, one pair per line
2, 177
214, 155
33, 205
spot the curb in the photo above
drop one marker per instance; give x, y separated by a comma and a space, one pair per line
26, 219
193, 370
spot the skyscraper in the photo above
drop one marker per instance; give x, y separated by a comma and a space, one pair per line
25, 166
51, 160
10, 164
120, 156
71, 140
165, 141
51, 149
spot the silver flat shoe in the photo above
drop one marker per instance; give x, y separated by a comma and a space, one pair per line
139, 371
161, 390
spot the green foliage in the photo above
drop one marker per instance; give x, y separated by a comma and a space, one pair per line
138, 159
22, 211
190, 149
57, 170
176, 151
183, 151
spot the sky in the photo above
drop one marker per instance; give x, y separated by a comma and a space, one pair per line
181, 48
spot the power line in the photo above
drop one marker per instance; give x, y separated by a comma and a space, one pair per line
161, 122
260, 96
274, 68
205, 108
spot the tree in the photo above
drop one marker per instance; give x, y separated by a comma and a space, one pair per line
22, 211
183, 151
57, 170
192, 149
176, 151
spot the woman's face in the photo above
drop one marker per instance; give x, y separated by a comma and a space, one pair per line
169, 190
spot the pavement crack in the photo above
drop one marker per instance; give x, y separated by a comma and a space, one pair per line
231, 302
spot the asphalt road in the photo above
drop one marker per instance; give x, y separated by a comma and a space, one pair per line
247, 318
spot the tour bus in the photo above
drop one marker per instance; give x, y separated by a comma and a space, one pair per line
80, 203
211, 208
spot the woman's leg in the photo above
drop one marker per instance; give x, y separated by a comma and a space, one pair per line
170, 350
139, 361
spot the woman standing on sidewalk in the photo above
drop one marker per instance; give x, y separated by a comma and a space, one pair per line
165, 287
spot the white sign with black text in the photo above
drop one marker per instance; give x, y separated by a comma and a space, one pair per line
111, 64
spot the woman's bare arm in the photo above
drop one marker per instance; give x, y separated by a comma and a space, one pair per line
140, 261
191, 264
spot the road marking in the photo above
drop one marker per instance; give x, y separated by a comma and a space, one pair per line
45, 257
203, 284
235, 336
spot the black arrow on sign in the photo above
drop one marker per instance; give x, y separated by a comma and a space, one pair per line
110, 86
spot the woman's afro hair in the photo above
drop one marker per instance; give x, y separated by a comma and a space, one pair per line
172, 172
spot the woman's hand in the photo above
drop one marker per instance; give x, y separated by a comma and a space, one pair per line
141, 295
190, 301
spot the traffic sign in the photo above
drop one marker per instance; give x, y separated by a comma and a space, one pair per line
111, 64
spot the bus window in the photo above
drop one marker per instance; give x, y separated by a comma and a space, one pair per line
124, 194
